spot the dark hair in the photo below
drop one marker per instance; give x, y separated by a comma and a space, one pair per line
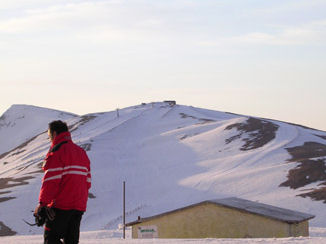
58, 126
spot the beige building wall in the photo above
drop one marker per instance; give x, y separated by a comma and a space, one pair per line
300, 229
213, 221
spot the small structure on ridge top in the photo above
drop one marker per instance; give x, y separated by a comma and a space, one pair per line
170, 102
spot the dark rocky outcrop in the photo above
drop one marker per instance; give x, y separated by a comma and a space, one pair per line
5, 230
311, 168
255, 133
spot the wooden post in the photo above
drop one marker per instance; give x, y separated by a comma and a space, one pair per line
124, 210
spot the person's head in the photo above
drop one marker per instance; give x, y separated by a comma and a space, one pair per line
55, 128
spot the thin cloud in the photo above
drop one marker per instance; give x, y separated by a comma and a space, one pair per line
313, 33
72, 16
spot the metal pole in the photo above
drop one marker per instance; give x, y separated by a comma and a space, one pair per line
124, 210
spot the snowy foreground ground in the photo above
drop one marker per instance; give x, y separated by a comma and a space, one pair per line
317, 236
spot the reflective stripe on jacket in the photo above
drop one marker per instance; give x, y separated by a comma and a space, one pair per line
67, 175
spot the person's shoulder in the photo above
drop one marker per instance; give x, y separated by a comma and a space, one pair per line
78, 147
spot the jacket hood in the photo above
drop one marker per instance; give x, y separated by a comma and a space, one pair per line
64, 136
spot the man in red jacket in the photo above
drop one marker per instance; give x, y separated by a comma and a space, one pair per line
65, 186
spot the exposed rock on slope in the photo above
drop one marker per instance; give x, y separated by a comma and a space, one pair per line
254, 132
311, 157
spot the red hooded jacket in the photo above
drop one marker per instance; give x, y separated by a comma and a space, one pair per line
67, 175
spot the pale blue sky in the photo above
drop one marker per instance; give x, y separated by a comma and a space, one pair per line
254, 57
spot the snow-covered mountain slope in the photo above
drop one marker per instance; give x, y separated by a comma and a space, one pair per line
20, 123
170, 157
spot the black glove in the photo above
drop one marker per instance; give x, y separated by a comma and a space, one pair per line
43, 215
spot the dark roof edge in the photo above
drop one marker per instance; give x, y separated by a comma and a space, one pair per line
309, 216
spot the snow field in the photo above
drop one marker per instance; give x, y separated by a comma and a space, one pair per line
317, 236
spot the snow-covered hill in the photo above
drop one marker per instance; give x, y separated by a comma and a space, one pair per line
169, 156
20, 123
